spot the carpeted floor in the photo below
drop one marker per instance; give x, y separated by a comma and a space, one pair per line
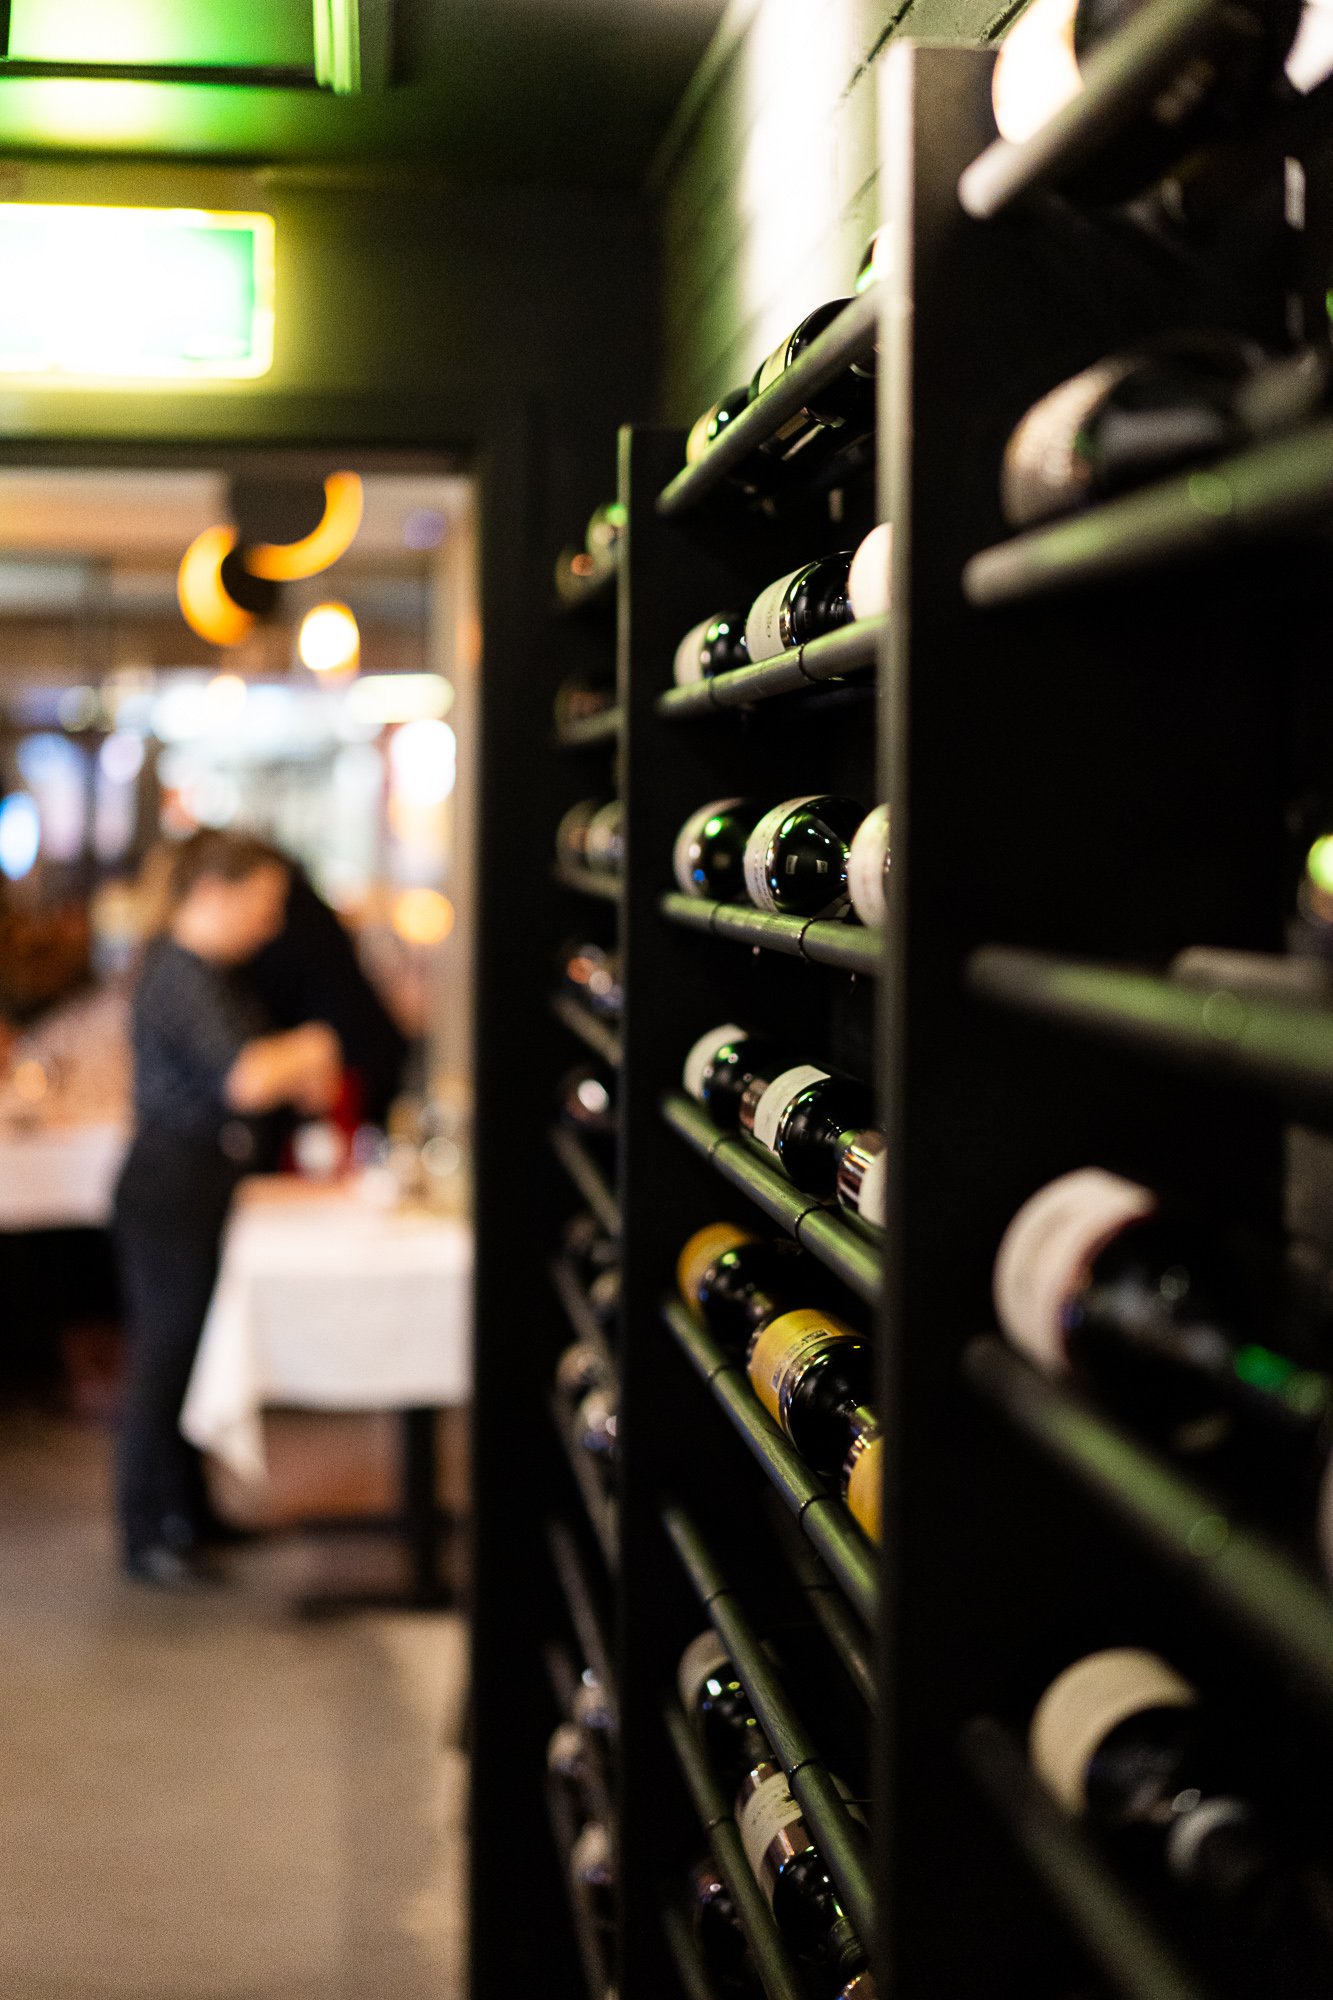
209, 1798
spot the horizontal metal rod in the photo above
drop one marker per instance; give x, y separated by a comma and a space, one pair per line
774, 1964
591, 1029
601, 1511
691, 1971
1285, 1046
823, 1519
828, 658
843, 1844
841, 1249
587, 1178
603, 727
847, 947
1244, 1575
586, 882
1284, 483
1102, 1916
568, 1566
1119, 79
582, 1319
850, 338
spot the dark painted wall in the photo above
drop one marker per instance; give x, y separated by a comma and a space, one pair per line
769, 180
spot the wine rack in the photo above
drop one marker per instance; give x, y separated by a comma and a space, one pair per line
1089, 734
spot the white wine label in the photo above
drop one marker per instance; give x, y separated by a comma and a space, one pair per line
689, 655
863, 1178
1036, 72
702, 1658
1048, 1250
868, 577
772, 1106
687, 840
771, 1816
784, 1349
701, 1055
868, 868
1079, 1710
702, 1251
1042, 473
757, 848
766, 625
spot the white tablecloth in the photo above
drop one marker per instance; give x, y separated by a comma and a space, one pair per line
323, 1302
59, 1176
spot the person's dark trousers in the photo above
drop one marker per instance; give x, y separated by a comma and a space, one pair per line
171, 1205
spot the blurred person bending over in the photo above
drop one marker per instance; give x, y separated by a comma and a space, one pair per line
206, 1070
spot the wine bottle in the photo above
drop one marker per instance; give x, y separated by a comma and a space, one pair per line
571, 834
838, 413
788, 1867
596, 1422
587, 1246
585, 1102
1217, 86
579, 1368
1093, 1278
1178, 402
593, 975
604, 841
737, 1282
863, 1178
717, 1929
868, 868
715, 645
795, 860
1122, 1741
566, 1757
708, 428
720, 1712
860, 1987
592, 1867
807, 1119
868, 585
605, 533
578, 700
709, 857
604, 1295
799, 607
862, 1479
811, 1371
723, 1065
592, 1712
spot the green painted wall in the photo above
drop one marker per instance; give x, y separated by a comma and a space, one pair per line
769, 180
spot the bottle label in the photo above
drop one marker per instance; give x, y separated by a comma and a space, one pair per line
757, 848
773, 1106
868, 577
702, 1252
766, 628
689, 655
771, 1829
784, 1349
1047, 1252
863, 1179
701, 1055
865, 1484
687, 840
1079, 1710
702, 1659
1042, 471
868, 868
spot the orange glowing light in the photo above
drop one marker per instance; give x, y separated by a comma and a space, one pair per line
422, 916
287, 562
205, 604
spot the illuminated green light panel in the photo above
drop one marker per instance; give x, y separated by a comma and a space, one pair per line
143, 295
238, 32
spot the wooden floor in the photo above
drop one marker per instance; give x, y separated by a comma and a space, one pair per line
211, 1798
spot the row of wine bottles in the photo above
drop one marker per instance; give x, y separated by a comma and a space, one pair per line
816, 1125
580, 1763
587, 1386
575, 569
778, 1845
815, 598
810, 1370
1152, 1308
804, 857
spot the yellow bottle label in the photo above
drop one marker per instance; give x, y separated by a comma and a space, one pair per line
702, 1252
785, 1347
865, 1486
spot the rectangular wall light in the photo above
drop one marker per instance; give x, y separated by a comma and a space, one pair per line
90, 297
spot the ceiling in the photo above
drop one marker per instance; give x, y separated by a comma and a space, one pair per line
578, 92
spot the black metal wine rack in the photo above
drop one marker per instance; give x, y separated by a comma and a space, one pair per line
1090, 736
